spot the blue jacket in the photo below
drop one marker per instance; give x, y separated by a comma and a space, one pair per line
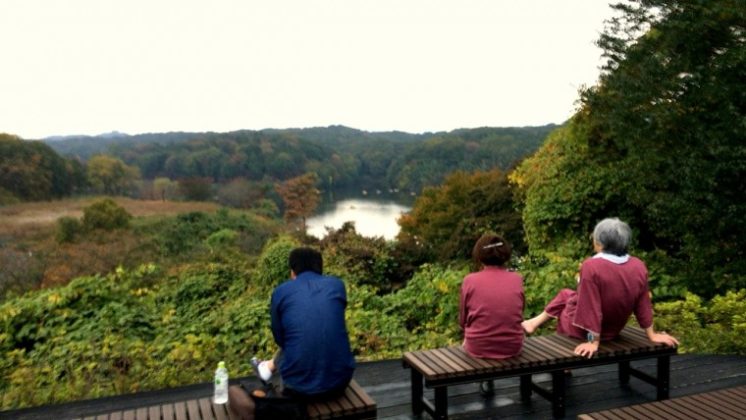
308, 323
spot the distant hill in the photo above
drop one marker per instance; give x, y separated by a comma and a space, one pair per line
341, 156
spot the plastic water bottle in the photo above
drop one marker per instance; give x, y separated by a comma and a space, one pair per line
221, 384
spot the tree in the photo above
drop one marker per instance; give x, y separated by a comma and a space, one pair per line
31, 170
446, 220
196, 189
658, 142
105, 214
300, 197
164, 187
109, 175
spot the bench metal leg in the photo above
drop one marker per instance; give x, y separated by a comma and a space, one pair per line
664, 376
526, 388
441, 403
624, 372
558, 393
417, 392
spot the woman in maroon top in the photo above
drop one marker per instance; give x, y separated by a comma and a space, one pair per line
612, 286
491, 305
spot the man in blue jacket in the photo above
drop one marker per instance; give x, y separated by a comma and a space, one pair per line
308, 324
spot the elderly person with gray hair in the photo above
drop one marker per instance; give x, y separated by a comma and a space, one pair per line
612, 286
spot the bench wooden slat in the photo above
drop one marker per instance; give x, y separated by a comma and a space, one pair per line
413, 359
221, 411
348, 407
452, 360
354, 402
180, 410
323, 409
435, 363
192, 409
141, 413
563, 352
313, 411
362, 395
640, 412
154, 412
205, 407
619, 416
129, 415
538, 357
551, 350
682, 411
475, 362
167, 411
454, 367
117, 415
721, 404
528, 356
716, 405
637, 342
738, 396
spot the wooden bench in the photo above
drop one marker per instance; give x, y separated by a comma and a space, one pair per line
354, 404
440, 368
727, 403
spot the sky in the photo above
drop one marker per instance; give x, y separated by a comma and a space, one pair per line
138, 66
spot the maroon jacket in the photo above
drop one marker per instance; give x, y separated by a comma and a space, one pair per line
491, 312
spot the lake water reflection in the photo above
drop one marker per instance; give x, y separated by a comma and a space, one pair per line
372, 217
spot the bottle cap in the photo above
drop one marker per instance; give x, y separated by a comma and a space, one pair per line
221, 365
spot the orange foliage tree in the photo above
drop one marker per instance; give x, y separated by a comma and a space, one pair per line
300, 197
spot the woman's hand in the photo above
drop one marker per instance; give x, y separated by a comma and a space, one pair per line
587, 349
661, 337
664, 338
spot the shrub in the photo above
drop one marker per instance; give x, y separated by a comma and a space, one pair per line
272, 267
366, 260
67, 229
718, 326
106, 215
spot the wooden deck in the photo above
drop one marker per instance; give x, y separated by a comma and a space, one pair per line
727, 403
588, 390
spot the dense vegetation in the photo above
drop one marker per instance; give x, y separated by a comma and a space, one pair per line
339, 156
658, 142
33, 171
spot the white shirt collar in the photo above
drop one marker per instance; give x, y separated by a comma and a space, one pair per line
616, 259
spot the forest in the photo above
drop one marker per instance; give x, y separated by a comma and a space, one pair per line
123, 299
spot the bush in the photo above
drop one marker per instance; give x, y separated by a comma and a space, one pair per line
67, 229
272, 267
715, 327
106, 215
365, 260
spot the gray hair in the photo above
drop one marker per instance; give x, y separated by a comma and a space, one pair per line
613, 235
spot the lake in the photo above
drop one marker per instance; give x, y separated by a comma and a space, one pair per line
372, 216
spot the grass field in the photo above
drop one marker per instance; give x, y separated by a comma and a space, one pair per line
30, 256
18, 220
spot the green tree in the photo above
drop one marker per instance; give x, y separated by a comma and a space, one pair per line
658, 142
448, 219
109, 175
300, 197
196, 189
165, 188
105, 214
31, 170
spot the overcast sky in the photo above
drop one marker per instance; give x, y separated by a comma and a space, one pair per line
94, 66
